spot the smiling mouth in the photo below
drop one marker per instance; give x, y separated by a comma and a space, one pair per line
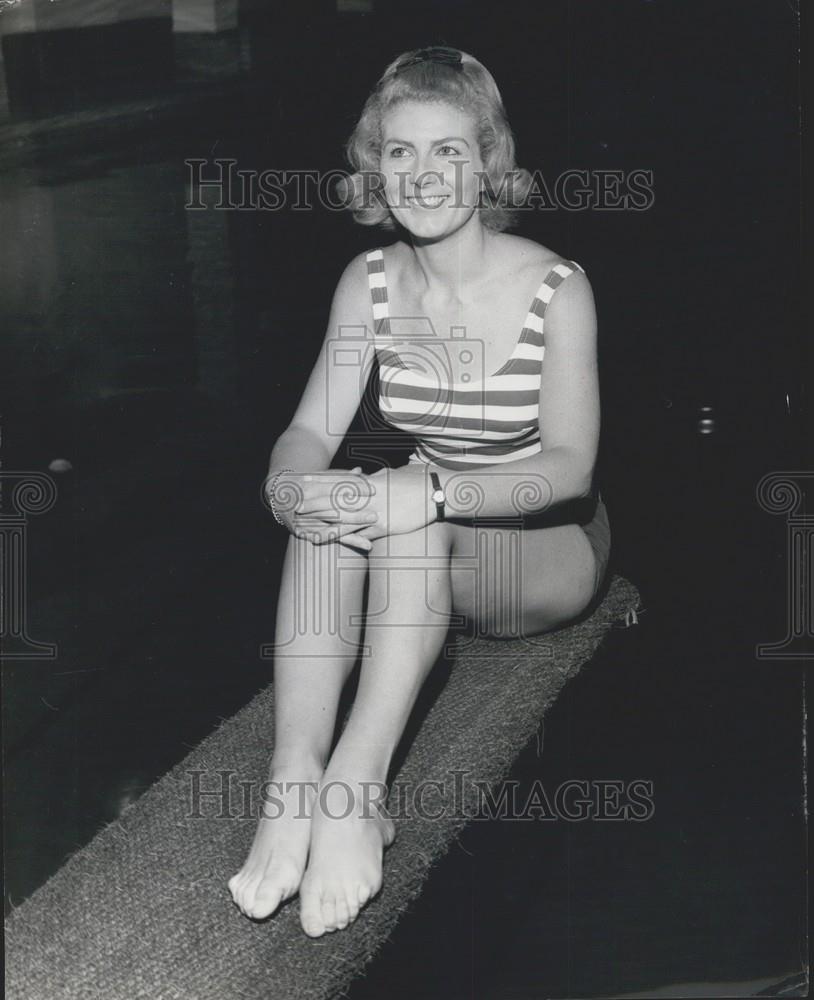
426, 200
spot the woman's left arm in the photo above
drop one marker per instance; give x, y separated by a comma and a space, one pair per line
569, 423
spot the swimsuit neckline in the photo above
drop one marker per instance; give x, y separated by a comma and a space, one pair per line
505, 365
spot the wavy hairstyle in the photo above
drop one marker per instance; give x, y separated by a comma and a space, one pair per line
470, 87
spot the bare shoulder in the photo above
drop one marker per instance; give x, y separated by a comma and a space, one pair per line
575, 291
521, 263
570, 316
522, 256
354, 276
351, 300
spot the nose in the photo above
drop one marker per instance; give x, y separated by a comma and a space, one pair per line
425, 178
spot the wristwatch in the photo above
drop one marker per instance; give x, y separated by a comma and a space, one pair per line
438, 496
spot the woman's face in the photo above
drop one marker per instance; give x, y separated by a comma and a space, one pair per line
430, 162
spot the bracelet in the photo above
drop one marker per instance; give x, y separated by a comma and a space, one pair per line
269, 494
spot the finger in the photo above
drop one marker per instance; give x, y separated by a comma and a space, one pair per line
353, 541
309, 524
372, 531
349, 538
343, 516
308, 505
320, 535
332, 503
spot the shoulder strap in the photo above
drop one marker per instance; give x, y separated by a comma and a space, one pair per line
378, 292
555, 277
545, 293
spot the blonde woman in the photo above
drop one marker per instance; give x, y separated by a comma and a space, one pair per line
512, 414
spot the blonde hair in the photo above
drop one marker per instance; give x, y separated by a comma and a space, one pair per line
469, 86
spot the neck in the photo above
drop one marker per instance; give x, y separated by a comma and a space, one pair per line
449, 264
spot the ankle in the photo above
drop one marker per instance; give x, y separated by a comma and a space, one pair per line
357, 768
290, 762
339, 796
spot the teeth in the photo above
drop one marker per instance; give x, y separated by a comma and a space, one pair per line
427, 199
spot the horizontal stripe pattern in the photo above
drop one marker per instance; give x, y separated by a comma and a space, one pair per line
461, 425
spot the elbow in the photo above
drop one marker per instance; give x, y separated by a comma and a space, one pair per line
580, 477
585, 489
584, 482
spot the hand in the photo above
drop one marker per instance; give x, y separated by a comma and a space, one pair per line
401, 501
329, 506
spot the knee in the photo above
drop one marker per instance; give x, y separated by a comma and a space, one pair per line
438, 536
303, 550
413, 567
432, 540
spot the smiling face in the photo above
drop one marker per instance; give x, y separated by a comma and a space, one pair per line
430, 162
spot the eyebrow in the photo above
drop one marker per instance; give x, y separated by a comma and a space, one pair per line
436, 142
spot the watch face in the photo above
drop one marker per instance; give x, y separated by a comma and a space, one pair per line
438, 496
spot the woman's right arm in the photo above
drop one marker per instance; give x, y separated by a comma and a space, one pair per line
334, 390
327, 407
298, 449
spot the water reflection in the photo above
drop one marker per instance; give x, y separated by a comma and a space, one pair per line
69, 55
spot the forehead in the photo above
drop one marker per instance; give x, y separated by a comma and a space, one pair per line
426, 120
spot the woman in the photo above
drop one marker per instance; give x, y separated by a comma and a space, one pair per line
491, 422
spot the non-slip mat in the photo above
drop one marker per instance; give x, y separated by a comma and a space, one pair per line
143, 911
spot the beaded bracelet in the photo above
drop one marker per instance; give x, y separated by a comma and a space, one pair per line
270, 495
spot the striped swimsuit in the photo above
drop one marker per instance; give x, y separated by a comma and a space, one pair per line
476, 421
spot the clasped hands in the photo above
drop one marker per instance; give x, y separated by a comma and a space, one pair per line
352, 508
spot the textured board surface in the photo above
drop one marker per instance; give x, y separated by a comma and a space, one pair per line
143, 912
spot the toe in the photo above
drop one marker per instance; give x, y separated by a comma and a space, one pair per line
342, 913
266, 900
311, 913
236, 884
237, 887
329, 912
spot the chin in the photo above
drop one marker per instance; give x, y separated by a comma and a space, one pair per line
429, 228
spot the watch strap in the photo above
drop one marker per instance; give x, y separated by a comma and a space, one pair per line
436, 485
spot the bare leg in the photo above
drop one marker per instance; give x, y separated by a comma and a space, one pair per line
316, 648
408, 614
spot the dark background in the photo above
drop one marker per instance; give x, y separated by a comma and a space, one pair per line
161, 351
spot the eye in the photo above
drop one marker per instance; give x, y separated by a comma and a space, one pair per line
449, 151
397, 152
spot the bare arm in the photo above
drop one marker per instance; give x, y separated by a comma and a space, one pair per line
335, 387
299, 449
327, 407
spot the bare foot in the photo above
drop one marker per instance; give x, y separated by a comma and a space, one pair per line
273, 870
349, 832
